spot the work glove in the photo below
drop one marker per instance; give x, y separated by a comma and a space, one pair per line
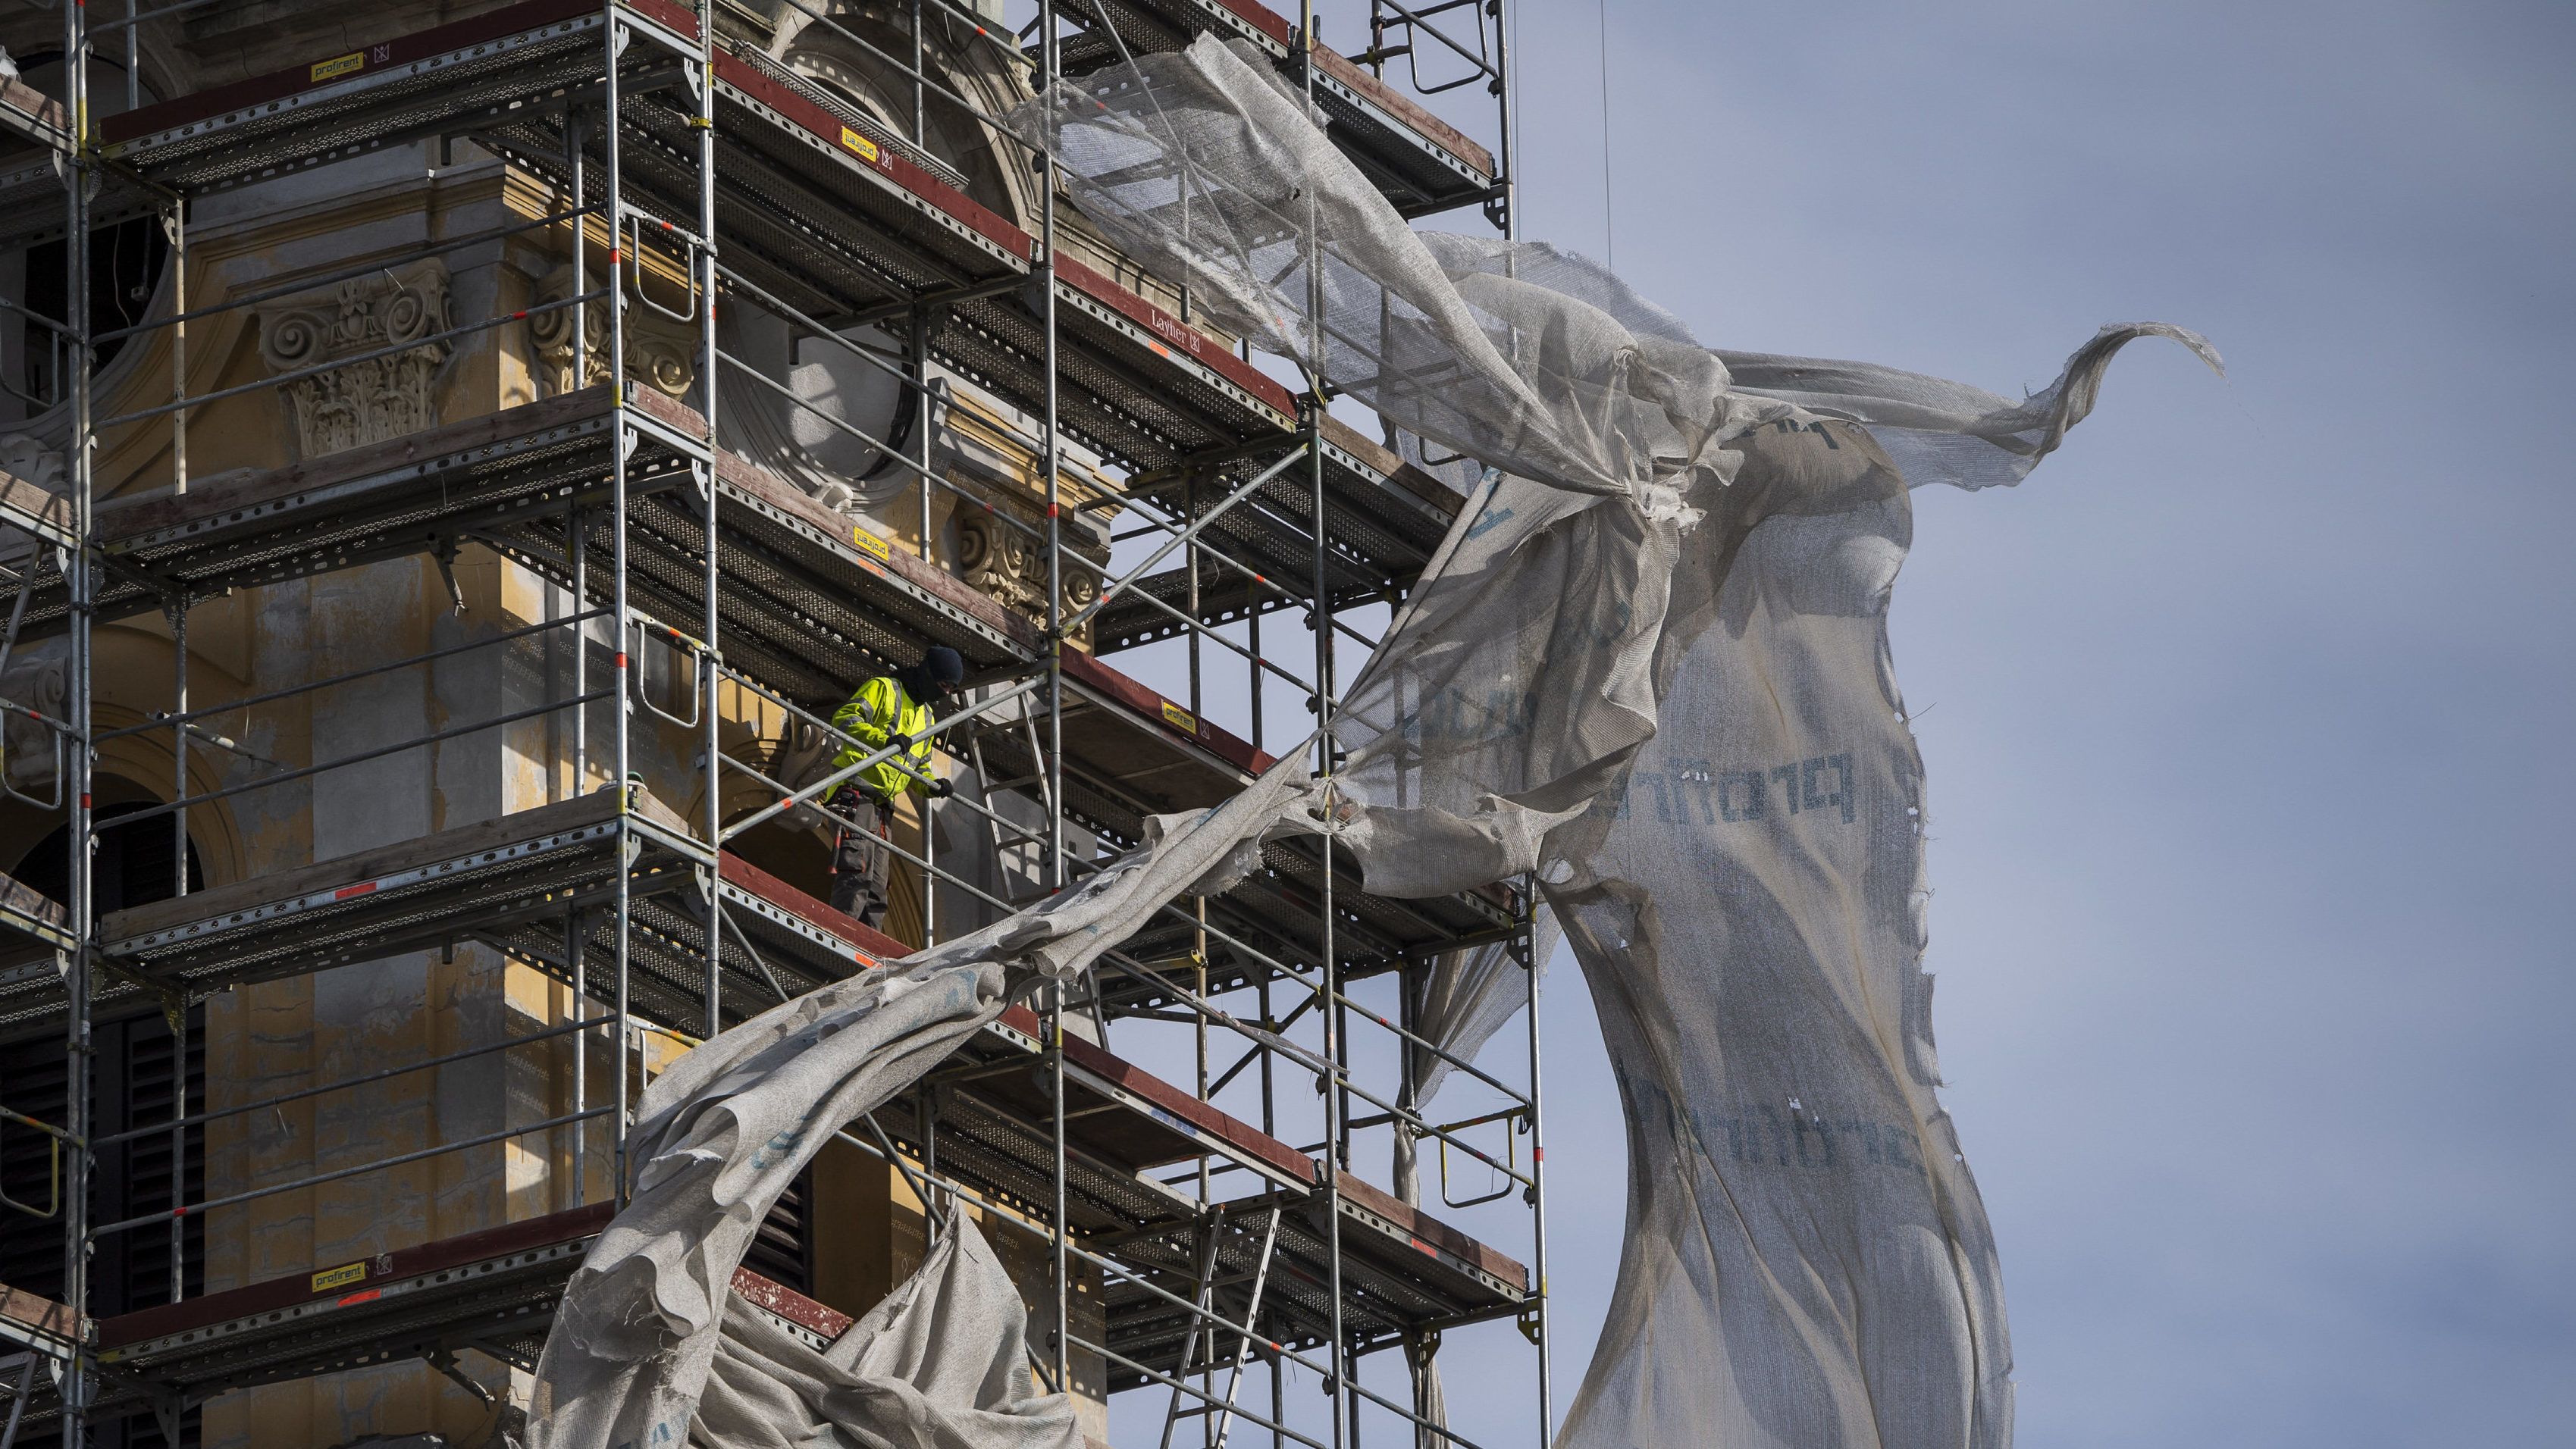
941, 789
902, 742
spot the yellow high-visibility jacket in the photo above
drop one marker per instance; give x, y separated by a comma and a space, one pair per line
881, 709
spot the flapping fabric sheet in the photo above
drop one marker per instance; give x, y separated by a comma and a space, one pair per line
942, 1363
1651, 664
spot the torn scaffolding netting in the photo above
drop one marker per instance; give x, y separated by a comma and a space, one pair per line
1649, 664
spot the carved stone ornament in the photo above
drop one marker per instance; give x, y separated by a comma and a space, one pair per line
660, 354
28, 459
1010, 564
26, 746
365, 401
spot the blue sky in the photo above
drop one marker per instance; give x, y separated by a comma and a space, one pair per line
2244, 716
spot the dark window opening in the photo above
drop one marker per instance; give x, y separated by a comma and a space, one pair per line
124, 266
780, 1251
125, 259
135, 1070
134, 865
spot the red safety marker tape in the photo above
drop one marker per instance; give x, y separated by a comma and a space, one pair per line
369, 1296
344, 892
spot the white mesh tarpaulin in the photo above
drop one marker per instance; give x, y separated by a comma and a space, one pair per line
1807, 1262
1650, 663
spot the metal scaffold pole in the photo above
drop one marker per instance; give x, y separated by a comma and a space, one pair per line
621, 693
1051, 460
1340, 1390
709, 653
1507, 66
1538, 1182
80, 455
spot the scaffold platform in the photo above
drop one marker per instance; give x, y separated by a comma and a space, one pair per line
1384, 520
417, 894
810, 602
1130, 753
407, 495
1144, 388
798, 582
495, 1290
1403, 1272
798, 578
1421, 163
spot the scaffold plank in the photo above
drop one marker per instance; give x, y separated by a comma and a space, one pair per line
30, 116
783, 943
798, 578
330, 108
403, 496
1402, 1271
1128, 752
810, 600
30, 916
375, 903
413, 895
38, 1324
494, 1289
41, 513
1384, 520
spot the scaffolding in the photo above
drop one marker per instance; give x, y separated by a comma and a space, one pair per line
691, 171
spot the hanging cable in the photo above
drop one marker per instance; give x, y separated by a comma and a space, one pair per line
1609, 233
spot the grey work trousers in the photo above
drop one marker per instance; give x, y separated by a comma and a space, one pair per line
862, 865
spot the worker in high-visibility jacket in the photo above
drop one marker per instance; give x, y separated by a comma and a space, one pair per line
891, 709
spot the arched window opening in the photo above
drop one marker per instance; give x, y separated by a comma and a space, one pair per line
126, 258
134, 865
